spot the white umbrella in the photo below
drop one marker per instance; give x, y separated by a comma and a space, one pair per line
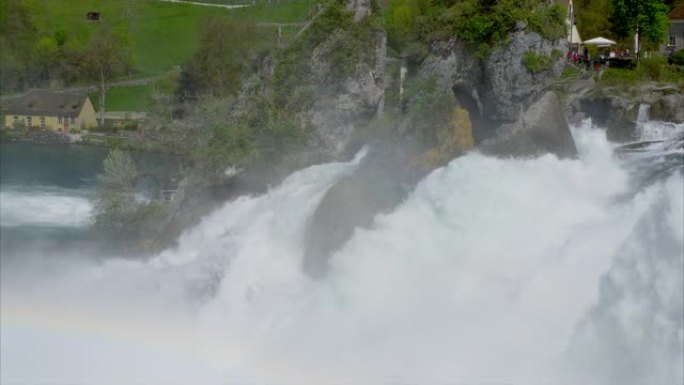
599, 42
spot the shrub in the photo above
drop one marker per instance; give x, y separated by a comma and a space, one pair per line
615, 76
535, 62
652, 68
677, 58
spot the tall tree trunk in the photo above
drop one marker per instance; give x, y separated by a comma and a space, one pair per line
103, 93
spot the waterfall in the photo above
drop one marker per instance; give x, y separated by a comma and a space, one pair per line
511, 271
644, 113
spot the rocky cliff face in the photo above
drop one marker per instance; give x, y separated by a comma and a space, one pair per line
499, 92
339, 108
330, 93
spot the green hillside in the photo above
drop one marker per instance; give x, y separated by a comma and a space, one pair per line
161, 34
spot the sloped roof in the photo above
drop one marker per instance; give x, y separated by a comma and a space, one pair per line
46, 103
677, 13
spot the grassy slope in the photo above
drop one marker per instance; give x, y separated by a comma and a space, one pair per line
162, 34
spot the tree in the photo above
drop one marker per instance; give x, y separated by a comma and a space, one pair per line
47, 56
116, 192
646, 18
17, 32
217, 65
105, 56
591, 18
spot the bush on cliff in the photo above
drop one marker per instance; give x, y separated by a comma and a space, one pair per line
535, 62
481, 24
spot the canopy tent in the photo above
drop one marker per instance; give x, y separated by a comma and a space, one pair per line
599, 42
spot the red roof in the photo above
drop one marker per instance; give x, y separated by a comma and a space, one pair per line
677, 13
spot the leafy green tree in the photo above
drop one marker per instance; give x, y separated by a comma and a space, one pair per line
116, 186
47, 57
648, 18
218, 64
106, 55
18, 34
591, 17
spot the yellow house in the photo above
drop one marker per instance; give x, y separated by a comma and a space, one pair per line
51, 110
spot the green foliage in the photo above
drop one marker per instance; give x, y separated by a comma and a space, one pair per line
107, 53
481, 24
117, 213
18, 32
649, 17
677, 58
403, 20
346, 45
160, 35
615, 76
593, 18
652, 68
535, 62
649, 69
219, 61
116, 201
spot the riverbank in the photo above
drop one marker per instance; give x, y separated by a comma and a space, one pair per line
126, 140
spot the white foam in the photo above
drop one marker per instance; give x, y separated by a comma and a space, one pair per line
43, 206
491, 271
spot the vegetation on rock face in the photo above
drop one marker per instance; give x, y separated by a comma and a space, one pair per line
482, 24
535, 62
346, 45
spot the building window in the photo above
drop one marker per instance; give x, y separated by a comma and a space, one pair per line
59, 119
73, 120
16, 120
673, 40
29, 121
42, 122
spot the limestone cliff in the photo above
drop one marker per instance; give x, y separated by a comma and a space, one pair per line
500, 93
330, 79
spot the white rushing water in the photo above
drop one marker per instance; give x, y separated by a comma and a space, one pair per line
537, 271
43, 206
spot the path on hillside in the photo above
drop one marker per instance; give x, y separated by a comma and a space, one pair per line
95, 87
227, 6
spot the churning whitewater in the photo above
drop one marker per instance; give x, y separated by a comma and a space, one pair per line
522, 271
44, 206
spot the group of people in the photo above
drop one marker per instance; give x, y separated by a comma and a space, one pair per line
586, 59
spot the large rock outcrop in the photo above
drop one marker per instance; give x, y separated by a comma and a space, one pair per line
502, 94
541, 128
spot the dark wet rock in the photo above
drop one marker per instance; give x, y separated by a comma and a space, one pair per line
541, 129
382, 181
